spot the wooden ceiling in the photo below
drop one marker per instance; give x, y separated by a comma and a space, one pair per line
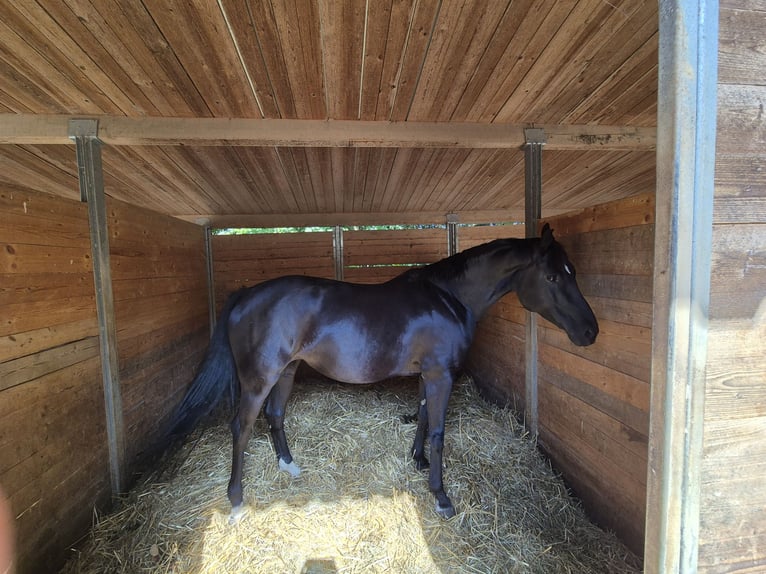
219, 111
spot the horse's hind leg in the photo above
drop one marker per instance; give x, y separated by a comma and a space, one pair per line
275, 415
250, 402
421, 416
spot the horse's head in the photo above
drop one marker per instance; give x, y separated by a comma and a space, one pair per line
549, 287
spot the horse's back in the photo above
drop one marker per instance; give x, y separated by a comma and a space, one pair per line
350, 332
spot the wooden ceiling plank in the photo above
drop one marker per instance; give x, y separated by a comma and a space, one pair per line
460, 39
244, 32
383, 96
18, 94
378, 23
66, 45
387, 158
299, 39
342, 48
98, 46
539, 25
156, 54
139, 54
191, 30
42, 76
500, 183
643, 61
544, 74
491, 62
343, 160
606, 54
25, 167
259, 180
421, 22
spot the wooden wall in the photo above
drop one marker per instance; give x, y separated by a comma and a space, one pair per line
245, 260
53, 446
160, 291
593, 402
53, 453
379, 255
733, 505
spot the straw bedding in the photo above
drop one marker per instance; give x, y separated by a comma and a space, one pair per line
359, 505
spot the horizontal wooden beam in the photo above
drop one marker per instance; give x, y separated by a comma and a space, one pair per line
33, 129
358, 218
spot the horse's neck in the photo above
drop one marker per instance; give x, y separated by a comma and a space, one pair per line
484, 283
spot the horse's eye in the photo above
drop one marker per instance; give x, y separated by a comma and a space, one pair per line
552, 278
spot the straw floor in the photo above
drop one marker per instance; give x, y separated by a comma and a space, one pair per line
359, 505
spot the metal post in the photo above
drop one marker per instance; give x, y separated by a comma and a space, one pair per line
85, 135
337, 250
686, 133
452, 239
210, 278
533, 186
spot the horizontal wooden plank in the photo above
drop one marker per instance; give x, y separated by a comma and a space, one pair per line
23, 369
613, 499
740, 47
624, 251
634, 419
37, 340
618, 386
741, 126
565, 415
118, 130
26, 259
619, 346
629, 212
636, 313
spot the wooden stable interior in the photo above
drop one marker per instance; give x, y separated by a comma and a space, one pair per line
415, 112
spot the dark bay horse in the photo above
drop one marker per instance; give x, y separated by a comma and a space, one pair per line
419, 323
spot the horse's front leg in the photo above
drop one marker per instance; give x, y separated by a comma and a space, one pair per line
437, 391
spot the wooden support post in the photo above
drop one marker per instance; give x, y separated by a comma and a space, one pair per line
686, 120
337, 250
85, 135
452, 239
533, 187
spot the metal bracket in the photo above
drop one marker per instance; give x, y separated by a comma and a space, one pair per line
534, 136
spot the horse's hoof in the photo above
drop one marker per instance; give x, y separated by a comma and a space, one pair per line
237, 512
445, 511
290, 467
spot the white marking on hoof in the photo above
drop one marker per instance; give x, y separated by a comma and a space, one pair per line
445, 511
237, 512
292, 468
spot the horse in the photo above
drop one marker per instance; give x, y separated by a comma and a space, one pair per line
421, 323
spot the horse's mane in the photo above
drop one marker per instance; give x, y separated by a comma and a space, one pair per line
456, 265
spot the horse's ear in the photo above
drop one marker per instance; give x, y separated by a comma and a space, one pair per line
546, 238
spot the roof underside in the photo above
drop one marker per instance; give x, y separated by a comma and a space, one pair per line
451, 64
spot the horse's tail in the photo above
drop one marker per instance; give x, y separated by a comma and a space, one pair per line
216, 375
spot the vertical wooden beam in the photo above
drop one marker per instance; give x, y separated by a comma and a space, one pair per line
337, 250
686, 120
533, 188
91, 179
210, 278
452, 239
